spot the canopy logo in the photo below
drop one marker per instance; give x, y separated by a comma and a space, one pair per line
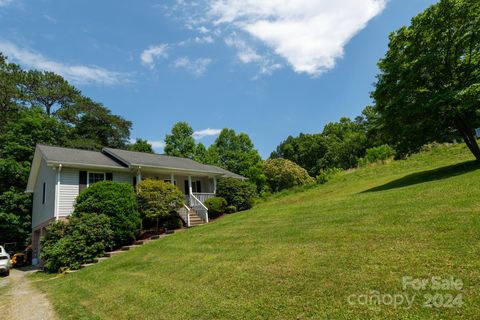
434, 292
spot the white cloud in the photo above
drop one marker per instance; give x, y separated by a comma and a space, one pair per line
205, 39
248, 54
196, 67
206, 133
81, 74
245, 52
148, 56
157, 144
309, 34
203, 30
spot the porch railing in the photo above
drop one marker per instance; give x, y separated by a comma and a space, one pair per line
199, 207
203, 196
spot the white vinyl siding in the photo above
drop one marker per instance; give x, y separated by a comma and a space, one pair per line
42, 212
123, 177
69, 188
68, 191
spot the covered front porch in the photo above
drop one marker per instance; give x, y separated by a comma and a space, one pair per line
196, 187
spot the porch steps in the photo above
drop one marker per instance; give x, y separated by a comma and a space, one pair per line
195, 220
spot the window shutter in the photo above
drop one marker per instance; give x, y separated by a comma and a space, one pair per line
82, 180
109, 176
186, 186
199, 186
44, 195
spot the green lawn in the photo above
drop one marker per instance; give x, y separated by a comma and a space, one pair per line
302, 254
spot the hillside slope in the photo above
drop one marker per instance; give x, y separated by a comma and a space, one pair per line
304, 254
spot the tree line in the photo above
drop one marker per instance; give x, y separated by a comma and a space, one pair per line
427, 90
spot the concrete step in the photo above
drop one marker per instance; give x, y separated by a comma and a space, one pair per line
71, 271
113, 253
126, 248
86, 265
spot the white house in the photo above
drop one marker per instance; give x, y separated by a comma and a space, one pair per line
59, 174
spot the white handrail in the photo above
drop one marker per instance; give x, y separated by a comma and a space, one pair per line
199, 204
188, 214
184, 213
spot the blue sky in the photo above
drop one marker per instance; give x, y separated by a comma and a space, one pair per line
269, 68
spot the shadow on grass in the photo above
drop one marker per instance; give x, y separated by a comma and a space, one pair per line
429, 175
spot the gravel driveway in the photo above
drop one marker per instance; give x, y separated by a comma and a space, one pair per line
21, 300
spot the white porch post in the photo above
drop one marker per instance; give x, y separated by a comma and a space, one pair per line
139, 176
172, 178
214, 185
190, 185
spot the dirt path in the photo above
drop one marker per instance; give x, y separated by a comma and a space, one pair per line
21, 300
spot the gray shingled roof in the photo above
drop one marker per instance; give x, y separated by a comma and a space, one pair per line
122, 159
133, 158
77, 156
226, 173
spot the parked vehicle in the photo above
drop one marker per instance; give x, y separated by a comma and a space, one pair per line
5, 263
19, 254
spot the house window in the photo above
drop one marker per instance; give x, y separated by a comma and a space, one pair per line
169, 181
44, 193
95, 177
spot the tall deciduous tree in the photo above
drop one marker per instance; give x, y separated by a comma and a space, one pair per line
200, 153
429, 85
180, 142
141, 145
238, 154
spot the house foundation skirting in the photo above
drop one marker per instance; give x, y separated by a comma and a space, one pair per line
37, 233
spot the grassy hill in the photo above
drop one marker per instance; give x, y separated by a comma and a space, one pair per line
303, 254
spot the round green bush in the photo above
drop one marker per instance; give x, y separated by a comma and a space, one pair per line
376, 154
238, 193
79, 241
216, 206
231, 209
118, 202
283, 174
173, 222
158, 199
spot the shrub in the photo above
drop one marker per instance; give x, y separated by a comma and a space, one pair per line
326, 174
216, 206
118, 202
238, 193
231, 209
158, 199
376, 154
79, 241
284, 174
172, 222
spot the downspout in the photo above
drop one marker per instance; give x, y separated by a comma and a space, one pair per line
57, 192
